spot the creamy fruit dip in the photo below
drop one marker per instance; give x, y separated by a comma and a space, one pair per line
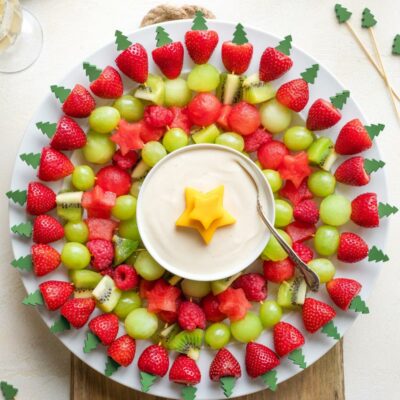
162, 200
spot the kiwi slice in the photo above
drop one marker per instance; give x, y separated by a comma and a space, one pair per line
152, 90
165, 335
206, 135
220, 285
84, 278
188, 343
106, 294
256, 91
135, 187
321, 153
123, 248
229, 90
69, 205
292, 293
140, 171
82, 293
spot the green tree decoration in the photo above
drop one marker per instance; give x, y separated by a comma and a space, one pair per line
121, 41
47, 128
146, 381
340, 99
285, 45
372, 165
23, 263
188, 392
17, 196
297, 357
385, 210
330, 330
270, 379
199, 22
358, 305
31, 159
23, 229
9, 391
60, 325
374, 130
91, 71
310, 74
227, 385
111, 366
33, 299
377, 255
162, 37
60, 92
240, 35
342, 13
91, 342
396, 45
368, 19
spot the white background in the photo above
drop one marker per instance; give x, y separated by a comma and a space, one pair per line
33, 359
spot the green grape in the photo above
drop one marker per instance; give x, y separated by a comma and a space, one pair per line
98, 149
283, 213
273, 250
147, 267
75, 255
128, 302
141, 324
247, 329
323, 268
177, 92
275, 117
128, 229
326, 240
203, 78
125, 207
153, 152
335, 210
130, 108
83, 177
195, 288
270, 313
104, 119
231, 139
217, 335
174, 139
321, 183
273, 177
298, 138
76, 231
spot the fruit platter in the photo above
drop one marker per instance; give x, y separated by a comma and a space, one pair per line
134, 219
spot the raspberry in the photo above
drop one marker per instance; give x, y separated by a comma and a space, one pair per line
126, 161
306, 211
253, 285
278, 271
108, 271
191, 316
126, 277
102, 252
303, 251
158, 116
210, 305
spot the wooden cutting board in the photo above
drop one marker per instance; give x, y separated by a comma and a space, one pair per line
324, 380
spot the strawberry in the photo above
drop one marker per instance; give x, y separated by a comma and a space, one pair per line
210, 306
299, 231
191, 316
322, 115
134, 63
352, 172
154, 360
271, 153
295, 168
352, 248
79, 103
45, 259
286, 338
108, 85
353, 138
316, 314
296, 194
303, 251
294, 94
114, 179
78, 310
55, 293
127, 136
278, 271
236, 56
122, 350
105, 327
306, 211
259, 359
224, 364
54, 165
342, 291
273, 64
233, 303
256, 139
253, 285
68, 136
47, 229
185, 371
364, 210
39, 199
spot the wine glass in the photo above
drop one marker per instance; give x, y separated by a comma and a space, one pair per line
21, 37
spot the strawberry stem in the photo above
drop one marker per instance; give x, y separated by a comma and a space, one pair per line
385, 210
372, 165
47, 128
32, 159
199, 22
377, 255
227, 385
60, 92
121, 41
374, 130
91, 342
91, 71
240, 35
60, 325
270, 379
297, 357
340, 99
285, 45
358, 305
17, 196
33, 299
111, 366
23, 229
188, 392
162, 37
310, 74
23, 263
330, 330
146, 381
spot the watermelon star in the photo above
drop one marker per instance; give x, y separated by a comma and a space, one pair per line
127, 137
163, 297
295, 168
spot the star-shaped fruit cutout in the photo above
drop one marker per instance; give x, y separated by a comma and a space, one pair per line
205, 210
295, 168
127, 137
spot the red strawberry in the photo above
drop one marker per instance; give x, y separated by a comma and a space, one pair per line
286, 338
244, 118
253, 285
122, 350
300, 231
68, 136
271, 153
181, 119
204, 109
54, 165
295, 168
322, 115
294, 94
127, 136
259, 359
364, 210
278, 271
306, 211
222, 120
352, 248
55, 293
78, 310
296, 195
102, 252
210, 306
45, 259
191, 316
200, 44
353, 138
158, 116
39, 199
342, 291
154, 360
273, 64
126, 277
169, 57
352, 172
224, 364
108, 85
303, 251
236, 56
316, 314
47, 229
256, 139
233, 303
134, 63
79, 103
185, 371
114, 179
105, 327
127, 161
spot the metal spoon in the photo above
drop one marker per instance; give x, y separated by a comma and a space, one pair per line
310, 276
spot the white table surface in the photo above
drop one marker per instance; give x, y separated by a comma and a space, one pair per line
32, 358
